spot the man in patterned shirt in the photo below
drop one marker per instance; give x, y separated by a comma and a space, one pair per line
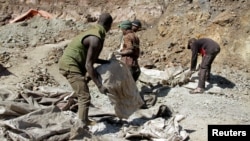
130, 50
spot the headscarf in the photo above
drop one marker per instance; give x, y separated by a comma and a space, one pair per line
125, 25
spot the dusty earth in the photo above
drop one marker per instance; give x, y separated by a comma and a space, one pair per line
34, 46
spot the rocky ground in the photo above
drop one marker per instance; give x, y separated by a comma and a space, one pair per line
31, 49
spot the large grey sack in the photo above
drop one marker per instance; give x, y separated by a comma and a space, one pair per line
123, 92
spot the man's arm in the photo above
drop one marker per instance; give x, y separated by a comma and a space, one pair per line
194, 49
94, 48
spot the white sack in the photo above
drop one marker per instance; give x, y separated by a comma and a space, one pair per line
123, 92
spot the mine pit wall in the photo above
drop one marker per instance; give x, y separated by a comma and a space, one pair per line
225, 21
79, 9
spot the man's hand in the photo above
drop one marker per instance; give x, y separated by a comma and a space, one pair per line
103, 90
87, 77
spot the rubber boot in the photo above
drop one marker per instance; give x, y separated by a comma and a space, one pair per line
83, 115
91, 122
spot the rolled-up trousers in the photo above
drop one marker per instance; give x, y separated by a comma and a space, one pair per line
81, 89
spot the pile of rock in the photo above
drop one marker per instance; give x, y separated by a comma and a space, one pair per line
39, 77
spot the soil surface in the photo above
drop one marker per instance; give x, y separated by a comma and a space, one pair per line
30, 47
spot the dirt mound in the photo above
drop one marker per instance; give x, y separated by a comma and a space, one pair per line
169, 25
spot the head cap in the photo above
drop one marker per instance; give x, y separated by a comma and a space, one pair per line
137, 23
191, 41
125, 25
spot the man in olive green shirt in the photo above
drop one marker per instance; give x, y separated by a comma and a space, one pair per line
79, 58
